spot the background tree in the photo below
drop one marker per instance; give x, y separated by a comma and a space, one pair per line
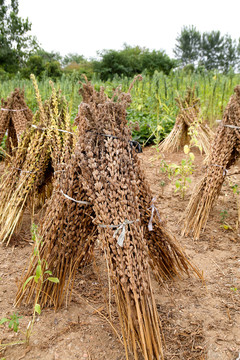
209, 50
238, 54
73, 58
212, 50
230, 54
188, 45
15, 43
49, 56
131, 61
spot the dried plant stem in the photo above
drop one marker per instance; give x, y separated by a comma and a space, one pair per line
27, 180
225, 152
188, 116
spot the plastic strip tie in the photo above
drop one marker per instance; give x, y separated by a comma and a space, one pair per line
232, 126
77, 201
154, 209
43, 129
3, 109
26, 171
225, 171
119, 227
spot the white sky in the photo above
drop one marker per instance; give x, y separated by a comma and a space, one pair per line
85, 26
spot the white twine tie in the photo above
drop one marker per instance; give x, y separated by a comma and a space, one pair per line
119, 227
232, 126
3, 109
77, 201
153, 207
225, 171
43, 129
26, 171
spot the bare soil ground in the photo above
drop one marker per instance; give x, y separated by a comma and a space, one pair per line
200, 319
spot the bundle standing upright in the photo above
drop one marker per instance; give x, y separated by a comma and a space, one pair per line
225, 150
109, 199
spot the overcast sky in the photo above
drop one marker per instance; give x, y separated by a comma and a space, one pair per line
86, 26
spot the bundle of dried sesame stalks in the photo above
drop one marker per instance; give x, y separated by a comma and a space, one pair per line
108, 198
188, 128
27, 180
225, 151
68, 235
14, 117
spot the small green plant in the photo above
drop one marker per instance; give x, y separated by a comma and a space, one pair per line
224, 224
236, 192
38, 278
164, 167
193, 133
223, 216
182, 172
13, 321
235, 189
162, 184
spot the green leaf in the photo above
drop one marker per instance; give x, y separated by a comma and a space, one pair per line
53, 279
27, 281
11, 323
3, 320
48, 272
188, 180
225, 227
191, 155
15, 326
38, 271
186, 149
177, 184
37, 308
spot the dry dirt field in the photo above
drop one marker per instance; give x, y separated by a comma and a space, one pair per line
200, 318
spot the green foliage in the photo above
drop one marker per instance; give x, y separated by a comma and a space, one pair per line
193, 133
212, 47
15, 43
13, 321
41, 68
3, 147
73, 58
34, 65
188, 45
183, 171
180, 174
53, 69
48, 56
153, 110
131, 61
224, 224
209, 50
79, 68
41, 275
223, 216
235, 189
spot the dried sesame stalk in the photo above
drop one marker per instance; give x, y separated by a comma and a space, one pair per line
105, 171
28, 177
225, 151
187, 116
14, 118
